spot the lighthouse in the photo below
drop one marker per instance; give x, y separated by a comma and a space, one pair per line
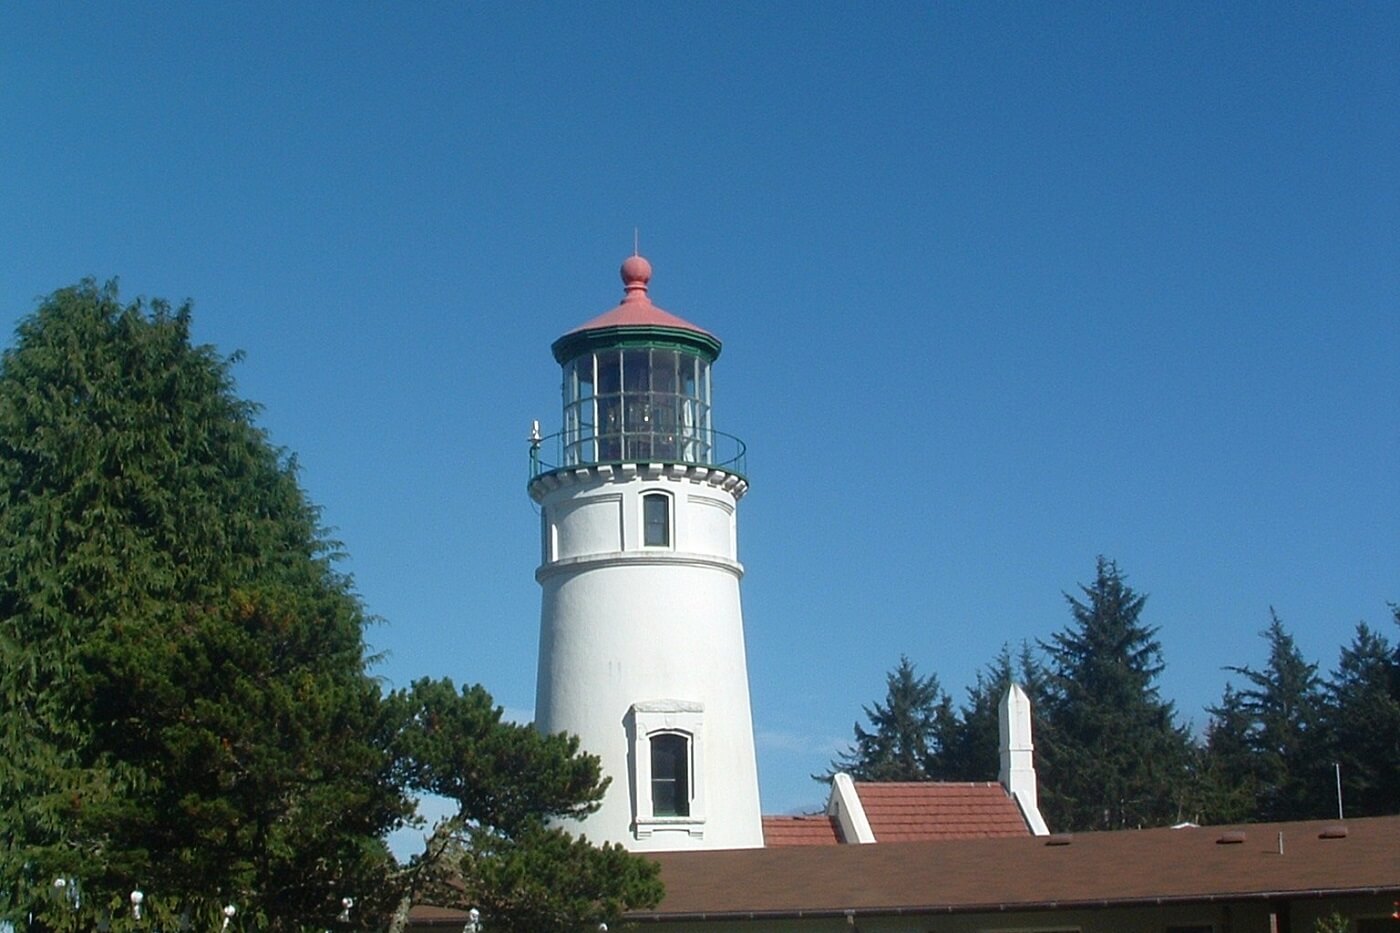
641, 630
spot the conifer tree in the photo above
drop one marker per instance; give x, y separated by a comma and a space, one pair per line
1283, 702
1362, 723
908, 735
1111, 755
185, 706
497, 851
973, 752
1227, 774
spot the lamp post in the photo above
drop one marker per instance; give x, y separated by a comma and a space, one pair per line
136, 898
66, 895
474, 924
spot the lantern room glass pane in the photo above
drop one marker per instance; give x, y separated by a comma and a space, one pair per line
638, 404
688, 367
636, 370
663, 371
609, 372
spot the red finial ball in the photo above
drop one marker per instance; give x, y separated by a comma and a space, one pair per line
636, 272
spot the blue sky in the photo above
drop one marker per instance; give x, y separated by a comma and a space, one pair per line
1003, 287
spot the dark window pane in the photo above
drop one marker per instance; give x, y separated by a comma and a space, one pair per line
688, 365
656, 520
665, 443
609, 376
663, 370
609, 428
670, 772
583, 367
636, 368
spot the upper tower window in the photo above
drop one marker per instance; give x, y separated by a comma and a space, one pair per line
656, 520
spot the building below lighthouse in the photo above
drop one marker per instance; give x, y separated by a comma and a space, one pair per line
641, 628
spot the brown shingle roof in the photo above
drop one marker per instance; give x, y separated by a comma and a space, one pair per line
1099, 869
906, 811
819, 830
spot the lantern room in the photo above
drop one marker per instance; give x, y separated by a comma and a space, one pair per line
636, 386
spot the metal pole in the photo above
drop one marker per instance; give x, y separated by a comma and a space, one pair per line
1338, 767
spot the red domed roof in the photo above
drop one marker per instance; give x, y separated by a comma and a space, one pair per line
636, 309
635, 317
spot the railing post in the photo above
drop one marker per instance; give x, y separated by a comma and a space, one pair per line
534, 449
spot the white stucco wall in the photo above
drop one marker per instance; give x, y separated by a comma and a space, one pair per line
653, 636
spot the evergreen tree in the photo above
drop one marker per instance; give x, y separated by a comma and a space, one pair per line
497, 852
1111, 754
1362, 724
973, 753
1283, 703
1227, 773
908, 735
185, 706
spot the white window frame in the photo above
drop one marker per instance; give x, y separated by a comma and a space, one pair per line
670, 501
667, 717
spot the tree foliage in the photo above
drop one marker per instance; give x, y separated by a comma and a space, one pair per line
1111, 753
1226, 773
1361, 721
184, 678
1272, 744
908, 732
1282, 707
973, 751
186, 704
497, 852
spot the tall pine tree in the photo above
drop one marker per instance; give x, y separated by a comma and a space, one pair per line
1361, 718
1227, 773
908, 735
1111, 753
1283, 705
973, 752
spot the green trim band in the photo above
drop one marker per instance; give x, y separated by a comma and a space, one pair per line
622, 336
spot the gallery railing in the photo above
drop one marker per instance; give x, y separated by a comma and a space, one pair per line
708, 448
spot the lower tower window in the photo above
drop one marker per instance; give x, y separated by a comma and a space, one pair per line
667, 768
670, 775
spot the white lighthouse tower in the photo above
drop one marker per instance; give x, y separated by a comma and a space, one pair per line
641, 631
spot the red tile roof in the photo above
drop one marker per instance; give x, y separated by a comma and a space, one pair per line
908, 811
1130, 867
818, 830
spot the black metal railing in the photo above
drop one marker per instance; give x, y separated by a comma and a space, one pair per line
693, 447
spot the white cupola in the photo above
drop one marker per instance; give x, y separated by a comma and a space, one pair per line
641, 631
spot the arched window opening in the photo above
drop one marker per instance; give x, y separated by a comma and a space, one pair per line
670, 775
656, 520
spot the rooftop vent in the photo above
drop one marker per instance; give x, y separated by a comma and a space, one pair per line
1232, 838
1333, 831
